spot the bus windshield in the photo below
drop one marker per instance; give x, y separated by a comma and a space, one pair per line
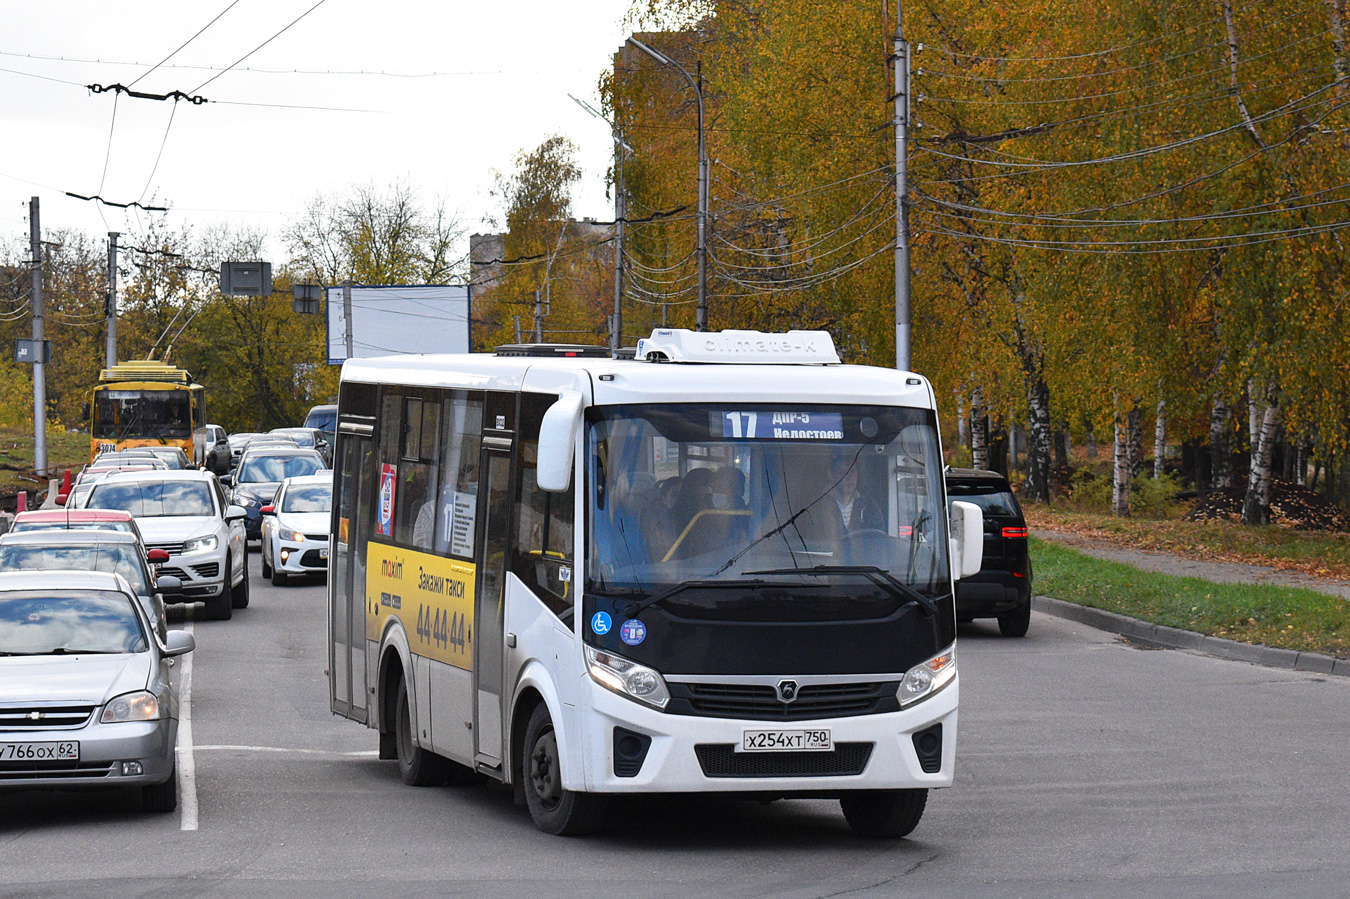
127, 414
703, 493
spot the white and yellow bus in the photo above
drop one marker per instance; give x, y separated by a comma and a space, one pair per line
722, 566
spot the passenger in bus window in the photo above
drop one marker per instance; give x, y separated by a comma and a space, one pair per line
845, 509
728, 488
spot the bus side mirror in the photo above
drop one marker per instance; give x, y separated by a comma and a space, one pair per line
84, 412
556, 441
967, 540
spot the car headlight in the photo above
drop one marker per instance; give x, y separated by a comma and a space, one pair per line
926, 678
139, 706
201, 544
627, 678
292, 536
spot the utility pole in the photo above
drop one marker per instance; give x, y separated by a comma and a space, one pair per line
110, 307
620, 210
538, 318
902, 313
347, 313
701, 317
39, 342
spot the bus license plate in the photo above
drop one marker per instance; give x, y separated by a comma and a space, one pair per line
40, 752
786, 741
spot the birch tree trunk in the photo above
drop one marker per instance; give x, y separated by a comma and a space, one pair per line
1038, 444
962, 423
1134, 448
1120, 471
1220, 451
979, 431
1256, 504
1234, 85
1160, 439
1090, 441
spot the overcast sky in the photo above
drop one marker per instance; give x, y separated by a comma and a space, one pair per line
495, 79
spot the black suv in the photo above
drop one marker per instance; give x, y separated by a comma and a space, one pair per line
1002, 589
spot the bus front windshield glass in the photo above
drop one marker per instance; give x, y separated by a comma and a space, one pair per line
693, 494
127, 414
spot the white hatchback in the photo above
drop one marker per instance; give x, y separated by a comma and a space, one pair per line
295, 528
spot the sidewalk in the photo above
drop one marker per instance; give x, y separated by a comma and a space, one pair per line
1158, 636
1219, 572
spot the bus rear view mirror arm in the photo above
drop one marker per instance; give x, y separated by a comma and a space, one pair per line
557, 437
967, 523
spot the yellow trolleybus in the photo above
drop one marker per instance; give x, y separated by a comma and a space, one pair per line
148, 403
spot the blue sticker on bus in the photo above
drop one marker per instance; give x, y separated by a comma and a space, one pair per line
601, 623
633, 632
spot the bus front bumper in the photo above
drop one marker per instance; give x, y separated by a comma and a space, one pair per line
632, 748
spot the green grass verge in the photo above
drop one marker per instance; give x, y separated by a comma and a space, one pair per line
1287, 617
65, 449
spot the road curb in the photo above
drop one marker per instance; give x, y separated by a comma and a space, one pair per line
1156, 635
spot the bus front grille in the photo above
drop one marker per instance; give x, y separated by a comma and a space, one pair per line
759, 702
722, 760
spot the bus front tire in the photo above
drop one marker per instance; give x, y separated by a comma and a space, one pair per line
417, 766
554, 810
889, 814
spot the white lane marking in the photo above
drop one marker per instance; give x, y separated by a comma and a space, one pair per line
187, 764
229, 747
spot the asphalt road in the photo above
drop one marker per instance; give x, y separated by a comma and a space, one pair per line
1087, 768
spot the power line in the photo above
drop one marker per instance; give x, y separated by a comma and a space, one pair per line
186, 42
259, 47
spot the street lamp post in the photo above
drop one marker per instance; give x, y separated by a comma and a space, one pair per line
620, 215
701, 319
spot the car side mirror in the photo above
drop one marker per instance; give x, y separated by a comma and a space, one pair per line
268, 510
157, 556
557, 436
62, 498
967, 539
227, 480
177, 643
235, 513
168, 585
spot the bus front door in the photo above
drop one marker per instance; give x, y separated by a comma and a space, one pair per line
347, 585
489, 619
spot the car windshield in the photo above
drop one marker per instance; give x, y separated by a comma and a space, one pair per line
313, 498
270, 469
152, 499
991, 498
301, 438
718, 493
34, 622
116, 558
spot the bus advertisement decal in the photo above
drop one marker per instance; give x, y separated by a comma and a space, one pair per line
384, 524
431, 596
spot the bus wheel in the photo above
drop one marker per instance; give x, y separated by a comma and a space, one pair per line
554, 810
417, 766
239, 592
884, 813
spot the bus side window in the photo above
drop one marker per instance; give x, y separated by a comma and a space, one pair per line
415, 519
542, 552
458, 500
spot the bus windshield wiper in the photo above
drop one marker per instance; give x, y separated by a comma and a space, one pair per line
635, 608
879, 576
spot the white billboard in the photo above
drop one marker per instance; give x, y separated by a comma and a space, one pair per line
395, 319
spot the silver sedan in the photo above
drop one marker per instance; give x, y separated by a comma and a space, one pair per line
85, 694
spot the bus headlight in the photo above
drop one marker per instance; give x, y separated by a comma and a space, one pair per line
926, 678
627, 678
